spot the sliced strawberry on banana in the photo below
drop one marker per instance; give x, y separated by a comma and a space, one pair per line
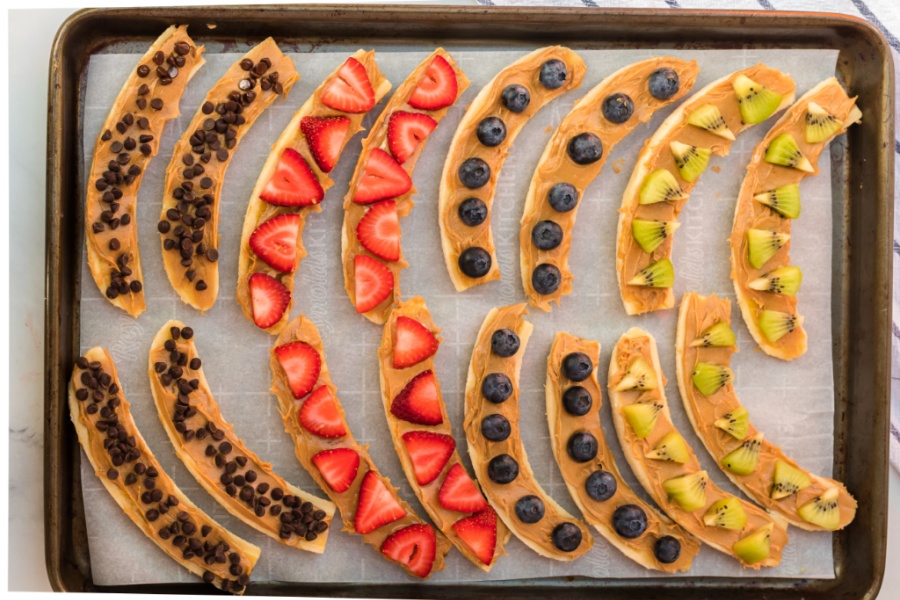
301, 364
268, 299
293, 183
429, 452
438, 87
459, 492
320, 416
419, 402
414, 547
377, 506
382, 178
338, 467
373, 282
413, 343
275, 242
406, 131
379, 231
479, 532
326, 137
350, 91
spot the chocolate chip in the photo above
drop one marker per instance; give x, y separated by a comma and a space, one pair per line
182, 48
114, 244
113, 474
152, 514
136, 286
156, 104
246, 64
143, 71
140, 468
205, 530
318, 515
107, 135
189, 528
130, 479
212, 255
141, 103
322, 526
156, 495
251, 476
144, 123
116, 147
206, 183
195, 363
200, 286
172, 500
245, 84
159, 57
173, 215
152, 472
277, 494
306, 507
163, 226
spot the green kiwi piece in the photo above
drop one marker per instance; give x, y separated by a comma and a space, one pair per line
785, 200
660, 274
690, 160
823, 510
787, 480
650, 234
710, 378
671, 447
784, 280
743, 459
762, 244
660, 186
710, 118
735, 423
755, 547
687, 491
757, 102
785, 152
719, 335
820, 124
642, 417
727, 513
640, 376
775, 325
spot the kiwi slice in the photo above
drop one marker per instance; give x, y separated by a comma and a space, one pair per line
735, 423
719, 335
742, 460
687, 491
642, 417
660, 186
639, 376
660, 274
785, 152
727, 513
762, 244
710, 118
785, 200
775, 325
820, 124
690, 160
710, 378
671, 447
823, 510
785, 280
757, 102
650, 234
787, 480
754, 548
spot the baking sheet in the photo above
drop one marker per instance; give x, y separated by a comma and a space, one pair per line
791, 402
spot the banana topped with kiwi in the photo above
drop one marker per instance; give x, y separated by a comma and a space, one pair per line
765, 281
668, 168
668, 468
704, 345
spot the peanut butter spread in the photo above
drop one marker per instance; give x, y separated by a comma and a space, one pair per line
378, 138
219, 461
634, 344
696, 315
557, 534
563, 425
761, 177
130, 472
259, 211
189, 220
456, 236
556, 166
656, 154
125, 146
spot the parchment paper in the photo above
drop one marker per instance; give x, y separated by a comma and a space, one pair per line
791, 402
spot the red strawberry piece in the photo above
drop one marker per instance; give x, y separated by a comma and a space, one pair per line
325, 136
413, 547
379, 231
374, 282
319, 414
479, 532
293, 183
413, 343
275, 241
382, 178
429, 453
437, 88
459, 492
419, 402
268, 299
406, 131
338, 467
302, 364
350, 91
377, 506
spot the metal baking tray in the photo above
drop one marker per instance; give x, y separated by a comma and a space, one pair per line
861, 291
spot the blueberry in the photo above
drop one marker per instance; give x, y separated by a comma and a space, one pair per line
504, 343
474, 262
566, 537
585, 148
473, 211
474, 173
553, 74
496, 387
577, 401
503, 468
601, 485
630, 521
545, 279
582, 446
491, 131
530, 509
563, 197
577, 366
663, 83
546, 235
495, 428
667, 549
515, 97
618, 108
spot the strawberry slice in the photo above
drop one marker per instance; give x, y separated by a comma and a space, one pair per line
419, 402
377, 506
301, 364
293, 183
413, 343
320, 415
350, 91
429, 453
382, 178
268, 299
275, 241
406, 131
437, 88
479, 532
326, 136
413, 547
373, 281
338, 467
459, 492
379, 231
